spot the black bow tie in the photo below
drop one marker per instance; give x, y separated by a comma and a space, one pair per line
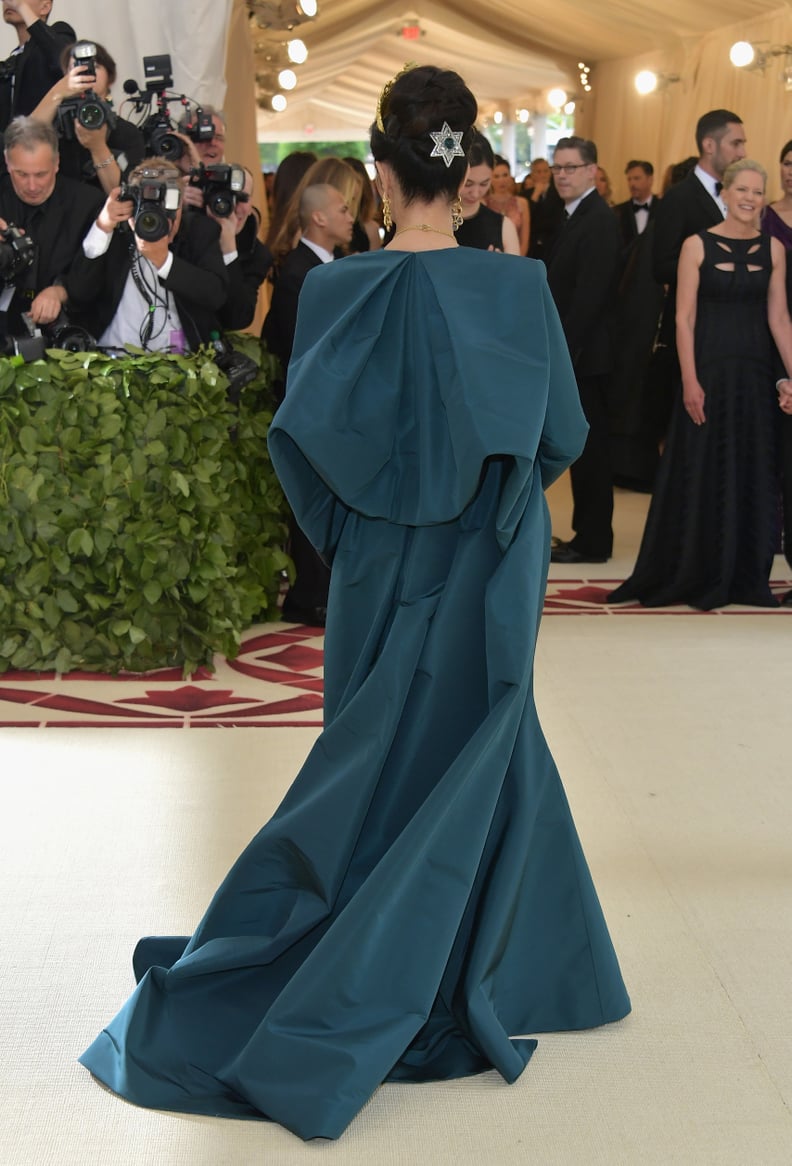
640, 206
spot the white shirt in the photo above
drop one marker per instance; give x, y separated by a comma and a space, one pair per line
130, 316
708, 182
571, 207
325, 255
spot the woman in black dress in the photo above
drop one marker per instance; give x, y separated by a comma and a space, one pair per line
481, 227
712, 527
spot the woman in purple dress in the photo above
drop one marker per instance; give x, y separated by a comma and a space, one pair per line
777, 221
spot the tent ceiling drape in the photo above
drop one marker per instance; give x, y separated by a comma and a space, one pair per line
510, 54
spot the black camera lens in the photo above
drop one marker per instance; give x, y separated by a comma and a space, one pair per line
221, 205
91, 115
152, 224
171, 148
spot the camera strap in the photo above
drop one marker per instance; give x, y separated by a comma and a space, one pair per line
151, 295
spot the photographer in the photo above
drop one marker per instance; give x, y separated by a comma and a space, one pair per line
197, 150
52, 210
35, 65
100, 156
146, 275
246, 258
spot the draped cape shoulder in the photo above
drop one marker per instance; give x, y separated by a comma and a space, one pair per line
419, 904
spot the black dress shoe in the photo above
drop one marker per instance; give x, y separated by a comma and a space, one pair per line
312, 617
566, 553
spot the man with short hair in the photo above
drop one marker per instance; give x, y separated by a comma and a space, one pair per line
34, 66
208, 152
53, 211
634, 445
582, 270
326, 223
636, 213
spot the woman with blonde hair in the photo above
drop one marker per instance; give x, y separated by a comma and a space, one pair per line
711, 531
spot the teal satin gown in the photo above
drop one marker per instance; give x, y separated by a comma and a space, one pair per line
420, 898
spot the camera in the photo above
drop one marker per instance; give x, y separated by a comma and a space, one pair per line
89, 109
17, 252
59, 334
199, 127
222, 187
156, 202
160, 138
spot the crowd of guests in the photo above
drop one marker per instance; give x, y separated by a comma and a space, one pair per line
643, 356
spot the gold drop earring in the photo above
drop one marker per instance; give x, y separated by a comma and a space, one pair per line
457, 217
387, 218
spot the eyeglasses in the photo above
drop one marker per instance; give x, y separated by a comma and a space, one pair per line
570, 167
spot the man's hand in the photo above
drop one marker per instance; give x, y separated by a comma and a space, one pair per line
114, 212
192, 195
47, 305
156, 251
228, 228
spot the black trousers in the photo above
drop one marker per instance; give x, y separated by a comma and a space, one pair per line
592, 480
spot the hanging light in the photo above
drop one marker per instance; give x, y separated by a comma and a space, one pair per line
646, 82
497, 117
569, 108
278, 102
742, 53
287, 79
298, 53
557, 98
307, 8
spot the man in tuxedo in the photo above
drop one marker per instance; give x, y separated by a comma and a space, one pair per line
637, 212
694, 204
53, 211
634, 444
582, 270
326, 223
161, 294
34, 66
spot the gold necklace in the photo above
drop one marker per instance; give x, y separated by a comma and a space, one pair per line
424, 227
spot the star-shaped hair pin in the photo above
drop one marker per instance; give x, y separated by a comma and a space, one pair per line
447, 144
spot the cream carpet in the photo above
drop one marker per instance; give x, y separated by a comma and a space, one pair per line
671, 736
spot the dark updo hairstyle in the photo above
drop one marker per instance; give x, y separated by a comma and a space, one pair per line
786, 150
480, 152
417, 103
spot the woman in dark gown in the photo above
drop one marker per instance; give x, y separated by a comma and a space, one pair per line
777, 221
712, 526
420, 897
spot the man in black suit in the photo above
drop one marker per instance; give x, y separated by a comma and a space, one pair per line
634, 444
326, 223
161, 294
694, 204
637, 212
53, 211
582, 270
34, 66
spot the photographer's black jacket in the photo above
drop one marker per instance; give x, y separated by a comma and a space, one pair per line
246, 275
57, 227
197, 280
35, 70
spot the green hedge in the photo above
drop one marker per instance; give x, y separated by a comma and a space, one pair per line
141, 523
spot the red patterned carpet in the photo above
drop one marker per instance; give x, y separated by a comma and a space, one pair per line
275, 681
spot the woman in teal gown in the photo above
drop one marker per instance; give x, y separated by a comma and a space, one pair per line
419, 904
